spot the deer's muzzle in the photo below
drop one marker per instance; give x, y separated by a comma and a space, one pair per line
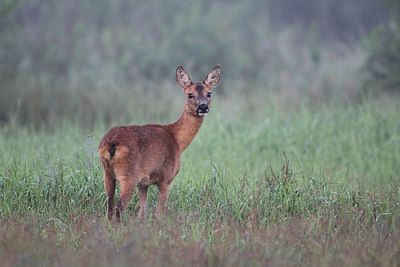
202, 109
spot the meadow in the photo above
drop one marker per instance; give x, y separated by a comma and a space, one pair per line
314, 185
297, 162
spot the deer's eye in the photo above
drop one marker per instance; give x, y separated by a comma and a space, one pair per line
209, 94
190, 96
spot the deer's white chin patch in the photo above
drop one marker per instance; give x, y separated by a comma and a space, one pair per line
203, 114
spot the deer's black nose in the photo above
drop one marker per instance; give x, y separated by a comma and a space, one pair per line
202, 109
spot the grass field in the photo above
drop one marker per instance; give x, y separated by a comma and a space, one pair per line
296, 164
309, 185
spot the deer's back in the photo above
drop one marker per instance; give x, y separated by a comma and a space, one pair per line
147, 153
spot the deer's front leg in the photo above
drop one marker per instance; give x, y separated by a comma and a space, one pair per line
142, 194
163, 193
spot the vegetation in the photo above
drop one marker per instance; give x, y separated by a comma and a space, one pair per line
383, 47
306, 187
294, 165
76, 59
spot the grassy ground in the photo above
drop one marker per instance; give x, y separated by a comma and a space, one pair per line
306, 186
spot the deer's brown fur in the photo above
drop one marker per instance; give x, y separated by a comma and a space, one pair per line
140, 156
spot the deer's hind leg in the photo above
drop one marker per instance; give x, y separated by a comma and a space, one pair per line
126, 176
109, 185
127, 189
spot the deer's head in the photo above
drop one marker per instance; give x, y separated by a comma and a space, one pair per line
198, 94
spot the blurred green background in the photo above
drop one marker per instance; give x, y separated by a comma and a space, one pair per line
102, 61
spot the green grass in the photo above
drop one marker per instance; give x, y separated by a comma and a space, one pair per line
307, 186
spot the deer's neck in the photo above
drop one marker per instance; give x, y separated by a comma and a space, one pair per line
185, 129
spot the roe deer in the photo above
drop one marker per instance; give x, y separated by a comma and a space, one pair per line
139, 156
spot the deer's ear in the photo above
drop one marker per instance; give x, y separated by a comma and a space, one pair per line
213, 77
182, 78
